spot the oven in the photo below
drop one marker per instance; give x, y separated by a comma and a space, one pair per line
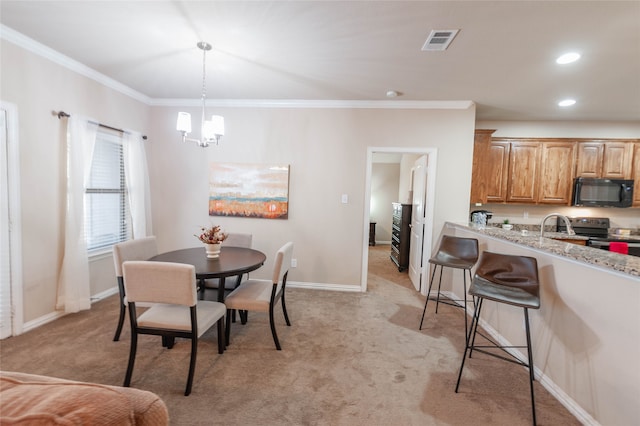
597, 229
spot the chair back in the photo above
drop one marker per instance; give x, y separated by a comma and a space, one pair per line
282, 262
160, 282
460, 248
235, 239
138, 249
511, 271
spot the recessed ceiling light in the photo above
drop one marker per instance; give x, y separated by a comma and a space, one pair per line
567, 102
568, 58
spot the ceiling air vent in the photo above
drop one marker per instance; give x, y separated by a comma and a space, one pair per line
439, 39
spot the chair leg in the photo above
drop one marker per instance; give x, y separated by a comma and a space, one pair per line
273, 328
473, 329
428, 293
530, 356
120, 322
192, 364
168, 342
464, 284
222, 336
244, 316
439, 285
132, 358
227, 333
201, 289
284, 310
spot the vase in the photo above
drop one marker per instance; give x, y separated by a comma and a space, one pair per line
507, 226
213, 250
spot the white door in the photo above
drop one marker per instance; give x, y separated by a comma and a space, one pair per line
5, 256
418, 211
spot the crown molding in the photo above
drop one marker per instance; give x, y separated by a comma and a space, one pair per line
310, 103
40, 49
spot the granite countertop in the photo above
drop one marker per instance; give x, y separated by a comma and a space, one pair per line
602, 258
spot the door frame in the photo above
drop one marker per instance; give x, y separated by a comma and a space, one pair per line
432, 160
15, 233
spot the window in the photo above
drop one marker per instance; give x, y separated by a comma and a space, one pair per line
106, 220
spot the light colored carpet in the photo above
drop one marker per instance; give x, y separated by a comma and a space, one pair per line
347, 359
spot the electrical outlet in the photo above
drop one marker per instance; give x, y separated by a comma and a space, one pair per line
525, 215
294, 263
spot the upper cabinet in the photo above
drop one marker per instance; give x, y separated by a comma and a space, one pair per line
542, 170
605, 159
524, 163
555, 180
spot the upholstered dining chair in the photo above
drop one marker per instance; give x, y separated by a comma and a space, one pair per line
234, 239
138, 249
175, 310
262, 296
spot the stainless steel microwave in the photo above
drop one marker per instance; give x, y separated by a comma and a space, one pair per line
592, 192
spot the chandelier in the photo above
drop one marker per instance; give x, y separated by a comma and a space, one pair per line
210, 131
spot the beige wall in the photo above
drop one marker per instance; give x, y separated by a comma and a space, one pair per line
327, 152
384, 191
326, 148
38, 87
530, 214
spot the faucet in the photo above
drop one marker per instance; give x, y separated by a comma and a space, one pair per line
570, 230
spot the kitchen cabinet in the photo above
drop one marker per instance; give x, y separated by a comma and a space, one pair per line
524, 161
635, 175
490, 166
542, 170
555, 178
604, 159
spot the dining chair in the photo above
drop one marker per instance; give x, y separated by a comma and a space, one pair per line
175, 310
138, 249
261, 295
233, 240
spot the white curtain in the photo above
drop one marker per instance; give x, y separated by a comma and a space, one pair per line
73, 283
137, 178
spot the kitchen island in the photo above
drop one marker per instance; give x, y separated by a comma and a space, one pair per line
586, 335
552, 242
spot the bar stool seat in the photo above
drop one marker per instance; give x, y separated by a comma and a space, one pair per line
511, 280
456, 253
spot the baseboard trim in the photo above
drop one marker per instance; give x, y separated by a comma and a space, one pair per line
325, 286
50, 317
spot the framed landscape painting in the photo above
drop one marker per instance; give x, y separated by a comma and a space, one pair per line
249, 190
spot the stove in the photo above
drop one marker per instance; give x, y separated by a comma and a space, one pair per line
597, 229
586, 226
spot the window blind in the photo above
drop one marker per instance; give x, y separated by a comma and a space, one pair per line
106, 203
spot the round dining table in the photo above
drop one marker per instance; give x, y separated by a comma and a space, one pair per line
232, 261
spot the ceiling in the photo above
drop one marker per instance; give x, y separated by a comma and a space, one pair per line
503, 57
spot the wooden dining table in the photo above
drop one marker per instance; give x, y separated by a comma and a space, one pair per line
232, 262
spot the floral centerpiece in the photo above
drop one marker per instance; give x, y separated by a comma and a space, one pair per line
212, 238
212, 235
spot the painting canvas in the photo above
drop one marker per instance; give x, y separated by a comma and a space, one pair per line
249, 190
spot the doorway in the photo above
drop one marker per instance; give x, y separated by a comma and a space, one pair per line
10, 234
411, 154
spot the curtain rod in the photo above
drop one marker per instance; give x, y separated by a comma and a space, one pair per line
62, 114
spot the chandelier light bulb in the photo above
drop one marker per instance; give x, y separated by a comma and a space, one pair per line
211, 130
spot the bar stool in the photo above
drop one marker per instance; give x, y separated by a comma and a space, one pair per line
457, 253
505, 279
